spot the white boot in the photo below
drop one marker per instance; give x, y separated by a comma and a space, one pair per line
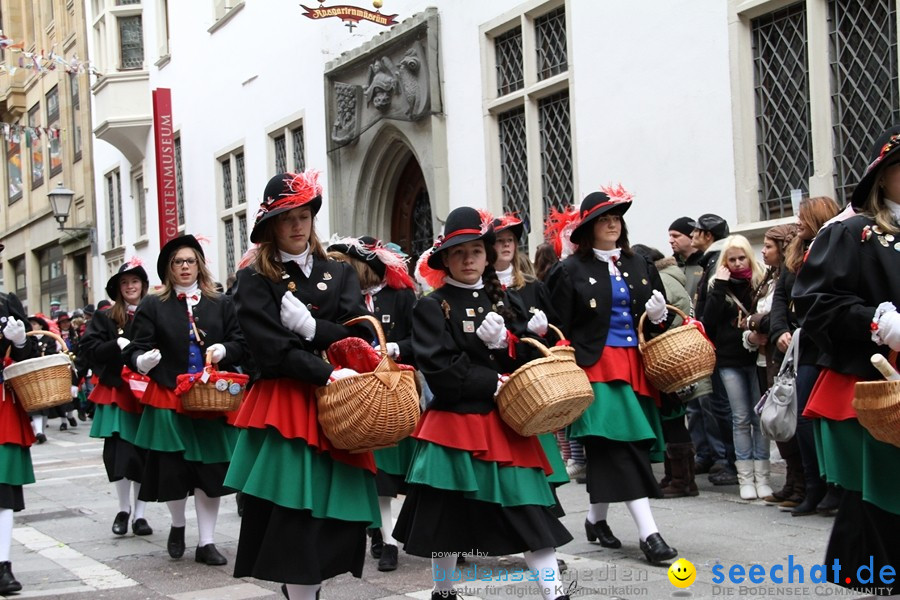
761, 478
745, 479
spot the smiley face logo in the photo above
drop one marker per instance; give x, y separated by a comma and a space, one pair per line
682, 573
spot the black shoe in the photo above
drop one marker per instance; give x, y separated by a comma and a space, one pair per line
388, 560
239, 498
81, 416
814, 495
702, 466
601, 531
63, 426
724, 477
561, 565
830, 503
444, 595
8, 583
377, 542
460, 559
120, 524
141, 527
175, 545
209, 555
657, 550
41, 438
72, 421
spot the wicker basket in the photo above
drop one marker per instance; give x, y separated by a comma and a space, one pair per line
42, 382
370, 410
545, 394
678, 357
877, 405
222, 391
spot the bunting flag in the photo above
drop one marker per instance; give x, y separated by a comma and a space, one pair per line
15, 133
41, 61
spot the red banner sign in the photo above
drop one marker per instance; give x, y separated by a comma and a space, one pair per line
349, 13
166, 194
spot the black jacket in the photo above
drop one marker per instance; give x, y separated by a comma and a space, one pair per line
461, 371
844, 279
393, 308
10, 306
164, 324
708, 262
331, 293
720, 317
100, 350
581, 292
784, 319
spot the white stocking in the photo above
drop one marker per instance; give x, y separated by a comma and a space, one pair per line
176, 509
442, 568
640, 512
123, 491
543, 562
37, 423
597, 512
139, 505
301, 592
207, 513
387, 523
6, 526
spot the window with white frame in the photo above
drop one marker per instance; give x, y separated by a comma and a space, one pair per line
233, 214
140, 201
55, 153
114, 207
120, 23
529, 112
288, 148
853, 88
76, 115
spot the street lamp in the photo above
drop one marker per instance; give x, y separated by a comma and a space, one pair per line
61, 203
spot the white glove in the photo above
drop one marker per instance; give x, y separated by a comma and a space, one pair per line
340, 374
296, 317
393, 350
148, 360
14, 331
74, 391
538, 323
656, 308
501, 379
122, 342
492, 331
889, 330
216, 353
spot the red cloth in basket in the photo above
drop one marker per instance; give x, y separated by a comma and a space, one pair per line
357, 354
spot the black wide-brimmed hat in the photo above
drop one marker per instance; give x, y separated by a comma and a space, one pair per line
40, 321
714, 224
615, 200
135, 267
287, 191
362, 249
885, 147
464, 224
511, 223
171, 247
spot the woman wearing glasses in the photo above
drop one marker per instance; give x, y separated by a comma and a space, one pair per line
175, 328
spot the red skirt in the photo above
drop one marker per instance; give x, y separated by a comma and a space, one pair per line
15, 424
159, 396
289, 406
486, 437
623, 364
832, 397
120, 396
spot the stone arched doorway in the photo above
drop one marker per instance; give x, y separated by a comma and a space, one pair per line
411, 221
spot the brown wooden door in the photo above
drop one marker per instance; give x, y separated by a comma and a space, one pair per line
411, 227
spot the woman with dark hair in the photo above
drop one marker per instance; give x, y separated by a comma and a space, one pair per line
846, 293
175, 329
306, 503
544, 259
117, 412
389, 295
783, 323
600, 293
473, 482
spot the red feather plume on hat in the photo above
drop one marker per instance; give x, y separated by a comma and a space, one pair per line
432, 278
558, 227
617, 193
508, 220
134, 262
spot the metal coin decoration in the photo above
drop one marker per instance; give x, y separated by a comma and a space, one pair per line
234, 389
221, 385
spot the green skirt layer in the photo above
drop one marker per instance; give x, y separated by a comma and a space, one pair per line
15, 465
290, 473
109, 419
451, 469
850, 457
396, 460
202, 440
554, 457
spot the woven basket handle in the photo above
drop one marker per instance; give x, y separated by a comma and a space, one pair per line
537, 345
58, 338
382, 342
209, 362
641, 341
557, 331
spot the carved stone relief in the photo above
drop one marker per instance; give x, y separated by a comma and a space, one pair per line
347, 100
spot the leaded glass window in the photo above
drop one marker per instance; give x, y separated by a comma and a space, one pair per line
556, 151
864, 100
226, 182
783, 130
280, 144
241, 189
550, 38
508, 48
514, 164
299, 150
131, 42
423, 232
242, 232
229, 246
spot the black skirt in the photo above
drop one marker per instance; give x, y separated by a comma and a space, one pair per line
619, 471
167, 476
291, 546
862, 533
11, 497
389, 485
433, 520
122, 459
